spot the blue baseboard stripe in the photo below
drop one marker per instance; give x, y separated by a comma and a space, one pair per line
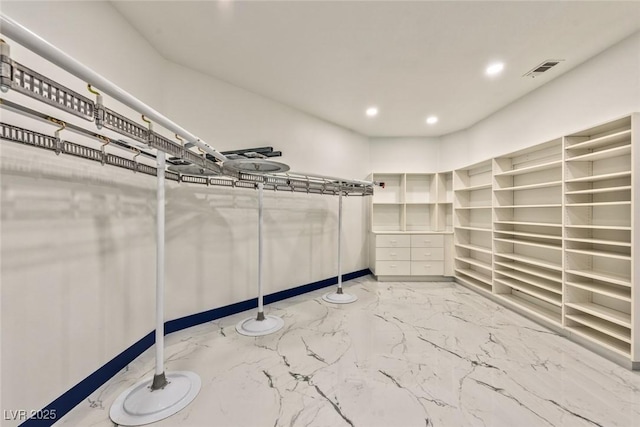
66, 402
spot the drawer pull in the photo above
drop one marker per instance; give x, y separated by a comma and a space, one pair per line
427, 253
427, 241
393, 241
393, 254
393, 266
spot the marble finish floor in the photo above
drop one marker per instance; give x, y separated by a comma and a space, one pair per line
404, 354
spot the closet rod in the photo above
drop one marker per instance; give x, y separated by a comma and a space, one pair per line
300, 182
38, 45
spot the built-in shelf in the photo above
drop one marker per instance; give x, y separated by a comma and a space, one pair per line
529, 169
555, 276
604, 254
555, 205
547, 285
537, 224
546, 296
598, 241
592, 204
599, 190
603, 154
475, 248
529, 234
475, 187
473, 207
412, 202
601, 339
601, 177
603, 141
547, 230
470, 277
530, 186
536, 262
619, 332
530, 243
473, 228
602, 276
474, 262
533, 309
602, 312
600, 227
621, 293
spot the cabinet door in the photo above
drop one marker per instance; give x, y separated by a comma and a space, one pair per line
427, 254
427, 268
393, 241
393, 254
427, 241
393, 268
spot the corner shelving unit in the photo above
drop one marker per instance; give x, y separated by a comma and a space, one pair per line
527, 230
472, 226
412, 202
600, 299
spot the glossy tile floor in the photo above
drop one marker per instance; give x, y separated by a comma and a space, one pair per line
404, 354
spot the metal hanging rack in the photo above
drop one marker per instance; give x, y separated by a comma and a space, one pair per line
166, 393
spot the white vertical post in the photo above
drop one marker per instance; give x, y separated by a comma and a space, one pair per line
260, 224
340, 243
149, 401
159, 374
339, 297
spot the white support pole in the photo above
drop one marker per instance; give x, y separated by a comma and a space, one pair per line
261, 324
340, 243
159, 380
46, 50
260, 243
339, 297
151, 400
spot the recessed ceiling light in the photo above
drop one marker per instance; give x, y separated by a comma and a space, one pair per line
372, 111
432, 120
494, 69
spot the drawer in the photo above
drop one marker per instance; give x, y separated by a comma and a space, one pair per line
393, 268
393, 254
427, 241
427, 254
427, 268
393, 241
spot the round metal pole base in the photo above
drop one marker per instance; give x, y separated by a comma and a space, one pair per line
253, 327
139, 405
339, 297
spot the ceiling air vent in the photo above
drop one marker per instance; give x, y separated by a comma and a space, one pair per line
543, 67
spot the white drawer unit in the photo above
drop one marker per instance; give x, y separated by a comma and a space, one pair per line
427, 254
418, 255
427, 241
393, 254
393, 241
393, 268
427, 268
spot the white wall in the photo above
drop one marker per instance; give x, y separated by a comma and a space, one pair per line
78, 244
603, 88
220, 240
404, 154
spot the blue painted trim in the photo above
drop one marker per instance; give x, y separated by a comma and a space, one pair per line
69, 400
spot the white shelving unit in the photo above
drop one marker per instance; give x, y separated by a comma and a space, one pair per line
472, 226
549, 231
410, 208
527, 230
412, 202
600, 296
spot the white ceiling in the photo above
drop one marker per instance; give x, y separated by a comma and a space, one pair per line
332, 59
